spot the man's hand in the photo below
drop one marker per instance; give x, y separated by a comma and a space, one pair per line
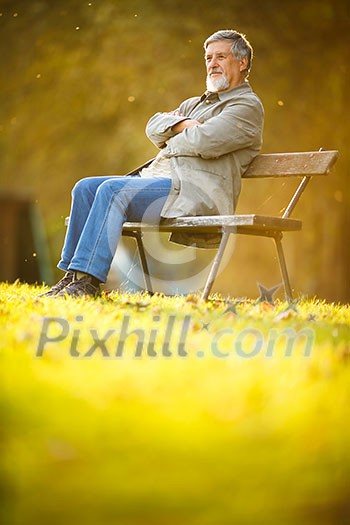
180, 126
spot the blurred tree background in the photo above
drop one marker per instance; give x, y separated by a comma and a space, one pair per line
80, 79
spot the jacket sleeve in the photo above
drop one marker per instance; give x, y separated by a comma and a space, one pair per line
238, 126
159, 127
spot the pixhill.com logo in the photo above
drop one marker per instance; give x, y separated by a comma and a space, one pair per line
168, 337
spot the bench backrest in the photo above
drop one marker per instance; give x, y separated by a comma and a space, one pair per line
301, 164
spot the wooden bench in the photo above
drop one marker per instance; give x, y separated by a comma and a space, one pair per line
305, 165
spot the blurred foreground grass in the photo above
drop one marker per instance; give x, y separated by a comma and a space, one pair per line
249, 425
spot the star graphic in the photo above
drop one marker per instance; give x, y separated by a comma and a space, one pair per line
231, 308
205, 326
266, 294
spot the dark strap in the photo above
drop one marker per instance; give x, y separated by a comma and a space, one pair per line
137, 170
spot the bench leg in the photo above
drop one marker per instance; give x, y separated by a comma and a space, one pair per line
215, 266
146, 275
283, 267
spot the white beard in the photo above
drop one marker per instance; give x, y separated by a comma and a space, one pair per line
217, 84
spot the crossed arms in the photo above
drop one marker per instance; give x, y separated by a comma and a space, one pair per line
238, 126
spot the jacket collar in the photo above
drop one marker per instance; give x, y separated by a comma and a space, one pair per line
229, 93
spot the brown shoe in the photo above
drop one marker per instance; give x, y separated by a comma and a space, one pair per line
86, 286
66, 279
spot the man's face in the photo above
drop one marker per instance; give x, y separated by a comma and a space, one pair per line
223, 70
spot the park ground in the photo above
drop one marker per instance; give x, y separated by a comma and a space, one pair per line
131, 409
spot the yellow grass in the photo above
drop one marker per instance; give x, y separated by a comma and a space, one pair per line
244, 418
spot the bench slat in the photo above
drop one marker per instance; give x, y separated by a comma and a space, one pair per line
291, 164
216, 223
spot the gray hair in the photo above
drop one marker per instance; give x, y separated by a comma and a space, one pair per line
240, 48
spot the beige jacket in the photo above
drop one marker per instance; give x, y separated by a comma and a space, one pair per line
207, 160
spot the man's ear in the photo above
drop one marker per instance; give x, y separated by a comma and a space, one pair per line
243, 64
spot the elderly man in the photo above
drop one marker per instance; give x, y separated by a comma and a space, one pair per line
205, 146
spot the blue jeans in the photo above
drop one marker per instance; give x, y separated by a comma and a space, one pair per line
100, 206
